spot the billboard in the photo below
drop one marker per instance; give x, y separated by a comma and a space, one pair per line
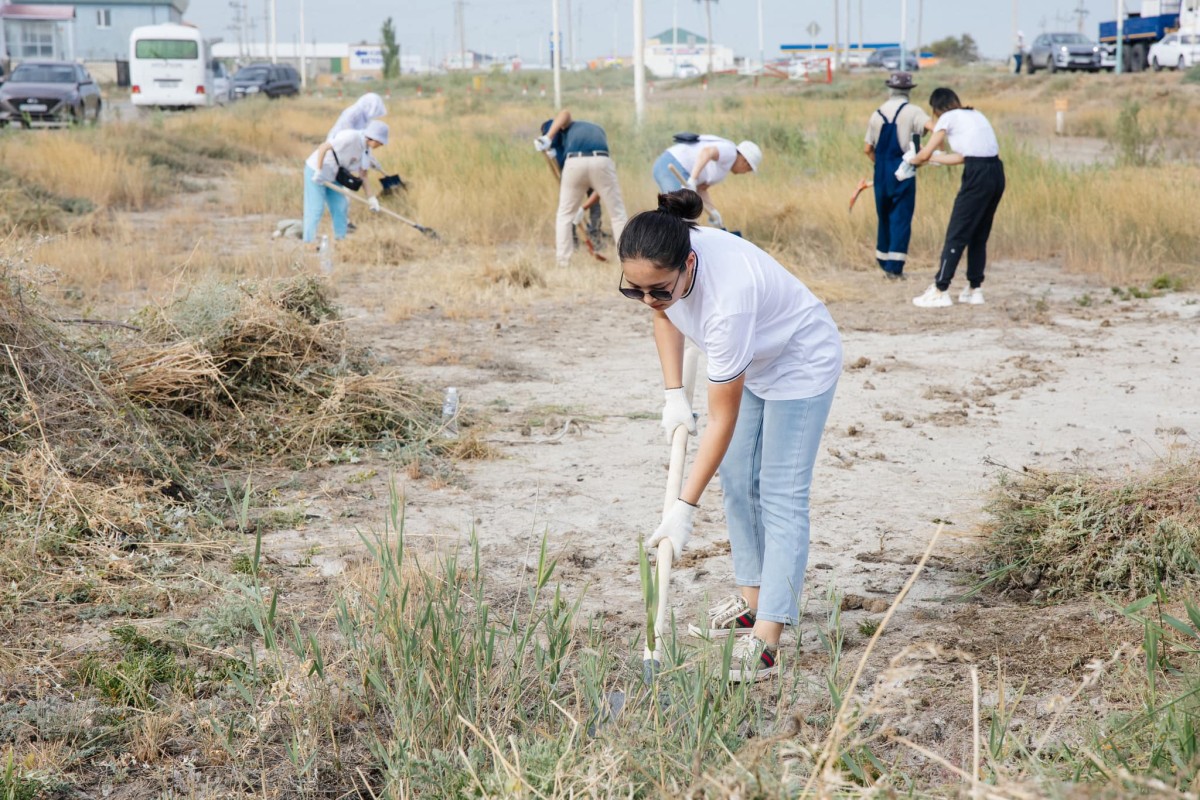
366, 58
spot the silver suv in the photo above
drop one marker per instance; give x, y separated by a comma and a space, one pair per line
1058, 51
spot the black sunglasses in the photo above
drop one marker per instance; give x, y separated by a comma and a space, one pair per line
661, 295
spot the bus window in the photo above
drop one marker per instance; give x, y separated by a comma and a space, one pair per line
180, 49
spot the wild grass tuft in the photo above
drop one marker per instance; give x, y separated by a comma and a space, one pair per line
1071, 534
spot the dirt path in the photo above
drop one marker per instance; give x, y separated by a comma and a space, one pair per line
1053, 371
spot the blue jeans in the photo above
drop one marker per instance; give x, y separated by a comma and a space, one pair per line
662, 173
315, 199
766, 475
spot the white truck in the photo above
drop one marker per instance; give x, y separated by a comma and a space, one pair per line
1139, 29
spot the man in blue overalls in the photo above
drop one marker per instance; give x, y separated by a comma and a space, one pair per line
894, 127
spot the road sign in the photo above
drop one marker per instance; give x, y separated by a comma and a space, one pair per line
813, 29
366, 57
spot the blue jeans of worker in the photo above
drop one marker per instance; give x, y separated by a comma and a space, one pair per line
766, 475
662, 173
894, 204
315, 199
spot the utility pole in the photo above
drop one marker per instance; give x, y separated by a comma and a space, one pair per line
920, 22
1120, 37
708, 15
460, 25
837, 32
1080, 12
904, 35
1015, 25
675, 39
639, 61
303, 47
762, 58
849, 46
860, 33
556, 56
274, 38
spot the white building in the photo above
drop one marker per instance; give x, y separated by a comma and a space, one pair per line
678, 52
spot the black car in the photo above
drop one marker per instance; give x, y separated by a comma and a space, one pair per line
41, 92
272, 80
1055, 51
889, 58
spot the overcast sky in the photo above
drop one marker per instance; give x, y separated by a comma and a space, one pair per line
523, 26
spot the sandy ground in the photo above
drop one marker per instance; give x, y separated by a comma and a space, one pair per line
1053, 372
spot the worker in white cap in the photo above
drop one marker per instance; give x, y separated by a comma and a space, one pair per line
341, 161
701, 161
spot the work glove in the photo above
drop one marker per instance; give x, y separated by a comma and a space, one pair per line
541, 143
908, 157
691, 184
676, 412
714, 218
580, 216
905, 171
373, 204
676, 525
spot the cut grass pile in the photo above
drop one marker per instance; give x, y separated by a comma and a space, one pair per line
1071, 534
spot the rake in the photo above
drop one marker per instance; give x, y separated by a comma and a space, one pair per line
429, 232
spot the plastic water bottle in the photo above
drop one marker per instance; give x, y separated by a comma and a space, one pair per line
325, 253
450, 414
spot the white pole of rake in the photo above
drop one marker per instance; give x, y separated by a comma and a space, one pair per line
666, 551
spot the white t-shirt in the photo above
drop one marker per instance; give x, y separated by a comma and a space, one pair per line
714, 171
750, 315
351, 149
969, 133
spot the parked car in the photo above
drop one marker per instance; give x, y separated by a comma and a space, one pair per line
687, 70
222, 83
1176, 51
49, 92
1057, 51
889, 58
272, 80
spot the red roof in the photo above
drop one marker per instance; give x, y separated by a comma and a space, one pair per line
55, 13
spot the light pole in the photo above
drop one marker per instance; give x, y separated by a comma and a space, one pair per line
904, 35
556, 57
639, 61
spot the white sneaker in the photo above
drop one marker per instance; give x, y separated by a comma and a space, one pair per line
973, 297
932, 298
730, 617
753, 660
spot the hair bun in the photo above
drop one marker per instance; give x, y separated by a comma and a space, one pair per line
682, 203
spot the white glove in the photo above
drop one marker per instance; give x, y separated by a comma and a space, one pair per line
905, 171
541, 143
676, 525
714, 218
580, 215
317, 179
691, 184
676, 412
911, 154
373, 204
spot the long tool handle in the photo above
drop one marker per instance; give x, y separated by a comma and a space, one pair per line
666, 551
343, 190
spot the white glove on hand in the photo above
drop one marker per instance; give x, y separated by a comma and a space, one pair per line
373, 204
691, 184
676, 525
714, 218
911, 154
905, 171
580, 215
676, 412
541, 144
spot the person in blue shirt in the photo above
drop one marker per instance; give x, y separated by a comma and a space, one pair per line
581, 150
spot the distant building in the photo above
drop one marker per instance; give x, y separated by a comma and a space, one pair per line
87, 30
680, 53
337, 60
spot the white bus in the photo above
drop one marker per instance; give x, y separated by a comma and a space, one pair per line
170, 67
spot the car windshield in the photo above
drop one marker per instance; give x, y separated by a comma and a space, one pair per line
251, 74
1069, 38
43, 73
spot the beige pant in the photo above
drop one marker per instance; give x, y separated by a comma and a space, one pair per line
579, 174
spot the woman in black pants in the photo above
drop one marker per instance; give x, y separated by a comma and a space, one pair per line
971, 137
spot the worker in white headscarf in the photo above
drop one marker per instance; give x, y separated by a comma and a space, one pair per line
355, 118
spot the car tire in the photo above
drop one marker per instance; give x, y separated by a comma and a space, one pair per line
1029, 67
1180, 66
96, 116
1154, 63
1050, 65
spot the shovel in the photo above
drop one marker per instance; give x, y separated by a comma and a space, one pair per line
657, 623
430, 232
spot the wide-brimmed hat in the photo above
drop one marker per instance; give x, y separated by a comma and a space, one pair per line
900, 80
751, 152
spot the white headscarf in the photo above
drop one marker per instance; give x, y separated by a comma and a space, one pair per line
356, 117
